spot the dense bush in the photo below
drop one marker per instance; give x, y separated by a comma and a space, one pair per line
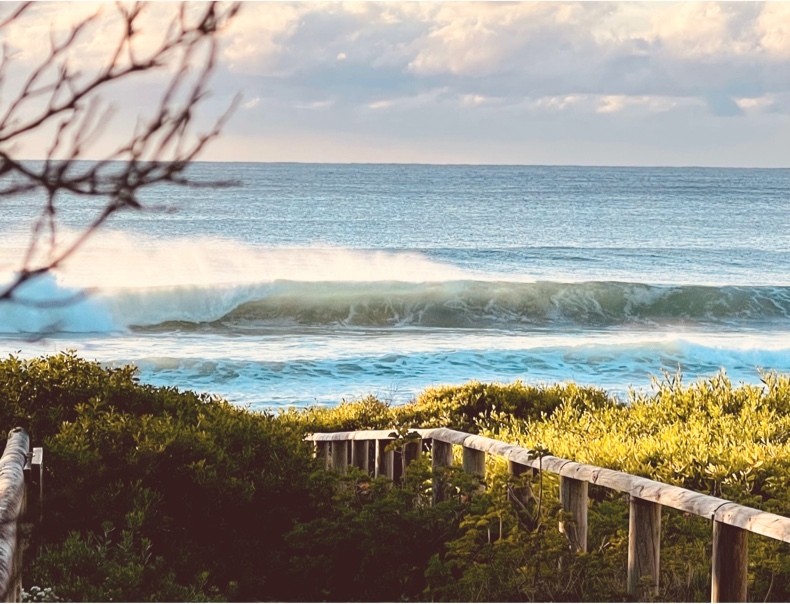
157, 494
463, 407
209, 488
708, 436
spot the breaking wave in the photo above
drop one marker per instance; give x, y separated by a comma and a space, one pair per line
220, 286
484, 304
456, 304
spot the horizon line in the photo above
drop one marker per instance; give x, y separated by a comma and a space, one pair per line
454, 164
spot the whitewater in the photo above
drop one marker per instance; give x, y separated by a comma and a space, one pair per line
303, 284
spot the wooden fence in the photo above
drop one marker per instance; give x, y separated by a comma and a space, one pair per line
731, 522
19, 469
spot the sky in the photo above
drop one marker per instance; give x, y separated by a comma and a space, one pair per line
568, 83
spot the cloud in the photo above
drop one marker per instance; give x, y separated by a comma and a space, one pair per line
252, 103
379, 72
430, 97
30, 37
361, 52
773, 27
364, 52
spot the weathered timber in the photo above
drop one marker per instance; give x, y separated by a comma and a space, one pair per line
644, 546
442, 457
474, 462
517, 470
372, 457
397, 465
38, 477
732, 521
453, 437
721, 510
411, 451
755, 521
385, 460
357, 435
519, 494
340, 456
322, 452
573, 497
359, 454
729, 572
12, 502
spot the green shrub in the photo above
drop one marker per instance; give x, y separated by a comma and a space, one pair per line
212, 488
210, 501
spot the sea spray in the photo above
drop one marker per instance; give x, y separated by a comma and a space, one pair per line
45, 306
313, 283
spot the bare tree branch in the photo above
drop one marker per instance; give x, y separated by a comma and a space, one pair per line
55, 95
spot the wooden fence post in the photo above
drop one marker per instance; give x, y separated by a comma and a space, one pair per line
442, 457
475, 463
340, 456
385, 460
359, 454
519, 494
644, 546
322, 452
411, 451
573, 497
38, 480
730, 563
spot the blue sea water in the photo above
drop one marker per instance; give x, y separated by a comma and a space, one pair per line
306, 283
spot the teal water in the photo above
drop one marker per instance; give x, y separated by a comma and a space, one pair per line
312, 283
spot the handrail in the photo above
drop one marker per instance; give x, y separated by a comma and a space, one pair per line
12, 506
731, 521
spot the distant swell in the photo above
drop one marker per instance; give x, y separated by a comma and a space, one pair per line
485, 304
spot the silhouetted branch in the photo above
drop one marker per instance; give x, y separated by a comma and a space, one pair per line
58, 96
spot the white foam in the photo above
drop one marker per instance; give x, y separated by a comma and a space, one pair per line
44, 305
122, 260
138, 280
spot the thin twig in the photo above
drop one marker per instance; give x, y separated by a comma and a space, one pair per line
157, 152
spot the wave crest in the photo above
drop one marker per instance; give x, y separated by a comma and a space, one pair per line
484, 304
462, 304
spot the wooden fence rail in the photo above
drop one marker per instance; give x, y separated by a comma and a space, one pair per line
19, 468
732, 522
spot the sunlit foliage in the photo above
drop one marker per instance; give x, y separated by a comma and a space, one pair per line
157, 494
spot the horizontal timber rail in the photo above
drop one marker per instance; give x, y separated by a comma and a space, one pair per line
19, 466
731, 521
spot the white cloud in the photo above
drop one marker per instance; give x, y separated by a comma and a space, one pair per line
773, 28
30, 36
440, 66
380, 105
477, 100
557, 103
256, 39
609, 104
514, 49
651, 104
316, 105
698, 29
422, 99
252, 103
477, 39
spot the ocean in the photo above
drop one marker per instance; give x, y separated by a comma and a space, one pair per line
309, 284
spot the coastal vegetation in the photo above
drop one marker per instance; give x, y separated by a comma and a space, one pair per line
158, 494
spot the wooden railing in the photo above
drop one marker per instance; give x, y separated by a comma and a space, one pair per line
19, 468
731, 522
